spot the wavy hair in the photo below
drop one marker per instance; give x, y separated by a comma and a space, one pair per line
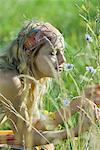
20, 56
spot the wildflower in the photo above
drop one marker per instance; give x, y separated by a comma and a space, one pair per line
68, 66
65, 102
88, 38
90, 69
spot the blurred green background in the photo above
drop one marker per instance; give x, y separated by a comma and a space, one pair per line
64, 14
71, 17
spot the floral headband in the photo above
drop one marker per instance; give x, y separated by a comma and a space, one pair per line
33, 36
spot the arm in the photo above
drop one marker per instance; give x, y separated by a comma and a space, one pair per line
90, 94
90, 98
44, 137
50, 135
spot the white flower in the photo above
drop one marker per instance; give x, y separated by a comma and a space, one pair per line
68, 66
88, 38
66, 102
90, 69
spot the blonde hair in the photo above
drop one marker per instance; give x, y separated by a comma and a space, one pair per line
21, 55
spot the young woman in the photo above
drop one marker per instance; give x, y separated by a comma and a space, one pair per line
36, 54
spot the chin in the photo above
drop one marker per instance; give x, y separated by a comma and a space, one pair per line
44, 76
50, 74
55, 74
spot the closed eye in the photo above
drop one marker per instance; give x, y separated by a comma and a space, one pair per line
52, 53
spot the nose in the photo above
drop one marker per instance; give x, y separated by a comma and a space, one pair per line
61, 58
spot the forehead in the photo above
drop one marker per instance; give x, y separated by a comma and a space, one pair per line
58, 43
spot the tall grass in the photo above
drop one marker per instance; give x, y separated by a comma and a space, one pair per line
76, 19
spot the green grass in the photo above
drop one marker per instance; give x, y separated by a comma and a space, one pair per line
74, 18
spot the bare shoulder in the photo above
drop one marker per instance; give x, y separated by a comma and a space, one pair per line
10, 84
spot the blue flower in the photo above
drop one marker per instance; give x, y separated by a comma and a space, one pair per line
66, 102
90, 69
68, 66
88, 38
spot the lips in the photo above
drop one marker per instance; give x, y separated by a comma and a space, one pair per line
59, 68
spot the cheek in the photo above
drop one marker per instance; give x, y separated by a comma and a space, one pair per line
42, 64
53, 60
46, 65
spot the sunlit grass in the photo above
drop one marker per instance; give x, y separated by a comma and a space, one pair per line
75, 19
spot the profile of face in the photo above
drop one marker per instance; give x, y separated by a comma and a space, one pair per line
49, 61
50, 58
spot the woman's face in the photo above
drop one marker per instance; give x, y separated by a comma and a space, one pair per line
49, 61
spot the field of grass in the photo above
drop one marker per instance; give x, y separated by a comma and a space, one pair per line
79, 22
